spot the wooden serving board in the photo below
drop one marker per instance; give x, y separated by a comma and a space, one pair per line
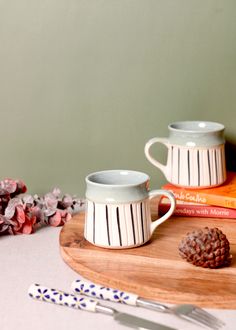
155, 270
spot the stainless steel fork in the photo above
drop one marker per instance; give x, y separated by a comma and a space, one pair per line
188, 312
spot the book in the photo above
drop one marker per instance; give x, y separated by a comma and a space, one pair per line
187, 209
223, 196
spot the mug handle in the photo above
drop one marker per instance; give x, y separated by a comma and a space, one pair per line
165, 141
168, 194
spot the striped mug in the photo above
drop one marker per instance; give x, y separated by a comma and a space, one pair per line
196, 154
118, 209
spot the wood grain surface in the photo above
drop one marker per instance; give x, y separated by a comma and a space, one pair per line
155, 270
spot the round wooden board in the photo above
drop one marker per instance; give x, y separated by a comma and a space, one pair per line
155, 270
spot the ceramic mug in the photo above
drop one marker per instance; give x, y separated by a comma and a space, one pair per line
196, 154
118, 209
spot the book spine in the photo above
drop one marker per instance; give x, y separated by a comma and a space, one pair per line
205, 211
203, 198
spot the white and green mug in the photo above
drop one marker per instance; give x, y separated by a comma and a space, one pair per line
118, 209
196, 154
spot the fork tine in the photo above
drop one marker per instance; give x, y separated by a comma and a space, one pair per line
203, 321
206, 320
209, 316
203, 317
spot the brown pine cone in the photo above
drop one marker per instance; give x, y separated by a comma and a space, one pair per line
207, 247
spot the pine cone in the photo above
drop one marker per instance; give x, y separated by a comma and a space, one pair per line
207, 247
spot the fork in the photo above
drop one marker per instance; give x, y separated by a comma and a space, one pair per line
188, 312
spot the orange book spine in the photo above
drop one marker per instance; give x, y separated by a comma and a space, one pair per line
201, 197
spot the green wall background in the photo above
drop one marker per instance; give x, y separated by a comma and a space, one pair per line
84, 84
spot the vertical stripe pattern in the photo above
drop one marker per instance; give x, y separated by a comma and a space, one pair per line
132, 221
107, 223
197, 167
94, 215
119, 226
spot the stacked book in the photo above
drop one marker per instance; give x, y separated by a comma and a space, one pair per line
218, 202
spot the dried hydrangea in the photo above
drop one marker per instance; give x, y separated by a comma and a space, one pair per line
23, 214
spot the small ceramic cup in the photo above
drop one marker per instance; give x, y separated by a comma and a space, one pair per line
196, 154
118, 209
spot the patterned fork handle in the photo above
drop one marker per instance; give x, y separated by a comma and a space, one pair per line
58, 297
188, 312
98, 291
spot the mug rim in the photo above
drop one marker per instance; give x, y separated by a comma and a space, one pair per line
212, 126
145, 178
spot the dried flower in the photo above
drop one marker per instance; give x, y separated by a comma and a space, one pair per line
24, 214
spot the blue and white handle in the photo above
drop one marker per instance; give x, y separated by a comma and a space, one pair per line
87, 288
58, 297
